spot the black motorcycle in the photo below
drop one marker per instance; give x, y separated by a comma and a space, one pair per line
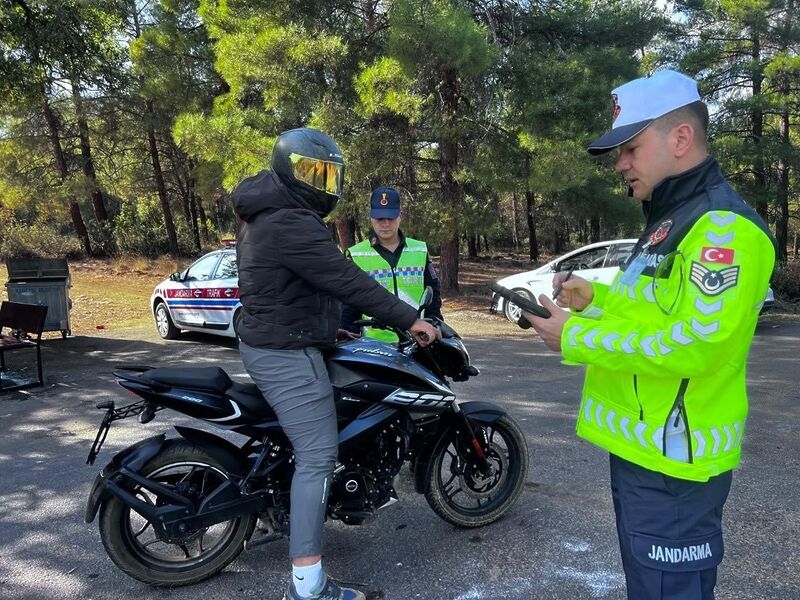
176, 511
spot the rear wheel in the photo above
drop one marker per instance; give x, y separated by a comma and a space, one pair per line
166, 328
511, 310
131, 541
457, 489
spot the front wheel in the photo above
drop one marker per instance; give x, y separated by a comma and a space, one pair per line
457, 489
132, 543
166, 328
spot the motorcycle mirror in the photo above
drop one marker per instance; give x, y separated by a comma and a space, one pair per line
425, 300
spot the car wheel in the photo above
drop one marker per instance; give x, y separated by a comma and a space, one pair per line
235, 333
511, 310
164, 325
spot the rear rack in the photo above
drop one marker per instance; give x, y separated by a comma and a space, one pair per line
116, 414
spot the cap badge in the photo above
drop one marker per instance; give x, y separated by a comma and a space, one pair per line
384, 199
660, 234
616, 109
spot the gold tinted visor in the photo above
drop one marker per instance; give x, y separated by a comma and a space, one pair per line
319, 174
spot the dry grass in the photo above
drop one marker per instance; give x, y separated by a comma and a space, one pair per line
111, 294
114, 294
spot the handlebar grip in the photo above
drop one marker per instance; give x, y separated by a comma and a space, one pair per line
524, 323
530, 306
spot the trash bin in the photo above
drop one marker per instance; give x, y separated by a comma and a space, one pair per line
43, 281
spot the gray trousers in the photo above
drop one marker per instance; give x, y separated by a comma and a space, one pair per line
296, 386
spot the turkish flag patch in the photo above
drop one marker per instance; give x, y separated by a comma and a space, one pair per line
717, 255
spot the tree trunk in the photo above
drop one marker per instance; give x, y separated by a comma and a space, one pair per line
193, 221
515, 225
196, 211
594, 229
530, 213
782, 191
533, 242
472, 246
451, 189
201, 215
61, 167
485, 243
757, 116
344, 230
189, 205
560, 236
87, 163
448, 265
169, 222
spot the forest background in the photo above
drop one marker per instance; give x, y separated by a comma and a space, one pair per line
125, 124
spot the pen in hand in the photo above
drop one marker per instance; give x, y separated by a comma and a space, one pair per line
561, 285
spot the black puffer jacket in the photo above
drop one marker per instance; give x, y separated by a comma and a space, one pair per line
292, 275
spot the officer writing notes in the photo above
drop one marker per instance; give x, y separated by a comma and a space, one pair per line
665, 345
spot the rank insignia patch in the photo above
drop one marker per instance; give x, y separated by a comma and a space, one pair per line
660, 234
711, 282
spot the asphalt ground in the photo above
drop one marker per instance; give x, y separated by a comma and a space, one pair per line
557, 542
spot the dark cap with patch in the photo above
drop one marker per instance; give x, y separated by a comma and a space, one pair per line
384, 203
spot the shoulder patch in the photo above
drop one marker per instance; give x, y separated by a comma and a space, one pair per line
711, 282
661, 232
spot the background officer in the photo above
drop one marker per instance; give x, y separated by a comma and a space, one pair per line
666, 343
399, 263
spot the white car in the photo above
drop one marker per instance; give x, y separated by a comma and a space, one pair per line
204, 297
595, 262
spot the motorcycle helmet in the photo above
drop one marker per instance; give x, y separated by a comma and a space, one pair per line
310, 165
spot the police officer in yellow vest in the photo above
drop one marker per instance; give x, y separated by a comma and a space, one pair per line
666, 343
398, 263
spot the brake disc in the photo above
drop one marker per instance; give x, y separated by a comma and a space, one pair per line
477, 485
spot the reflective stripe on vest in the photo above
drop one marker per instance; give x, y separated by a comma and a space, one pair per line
707, 443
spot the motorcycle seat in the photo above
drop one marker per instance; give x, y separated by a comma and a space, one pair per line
206, 379
249, 396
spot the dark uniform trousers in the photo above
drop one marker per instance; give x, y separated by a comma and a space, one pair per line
670, 532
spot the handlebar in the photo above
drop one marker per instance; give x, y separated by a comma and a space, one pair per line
403, 335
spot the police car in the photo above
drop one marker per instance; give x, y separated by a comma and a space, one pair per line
204, 297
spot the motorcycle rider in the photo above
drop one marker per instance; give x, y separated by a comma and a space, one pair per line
291, 279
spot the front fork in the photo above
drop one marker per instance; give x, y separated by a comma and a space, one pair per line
475, 448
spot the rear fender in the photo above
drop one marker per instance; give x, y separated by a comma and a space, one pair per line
134, 457
484, 413
204, 438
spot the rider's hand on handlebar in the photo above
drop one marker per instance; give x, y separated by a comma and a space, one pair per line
344, 334
424, 333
